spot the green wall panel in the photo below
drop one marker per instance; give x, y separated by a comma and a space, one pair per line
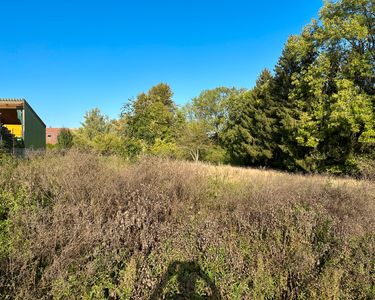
34, 130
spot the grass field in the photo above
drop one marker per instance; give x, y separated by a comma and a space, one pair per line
80, 226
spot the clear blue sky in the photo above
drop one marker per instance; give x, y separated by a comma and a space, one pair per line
68, 56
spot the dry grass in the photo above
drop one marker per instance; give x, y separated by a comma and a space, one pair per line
82, 226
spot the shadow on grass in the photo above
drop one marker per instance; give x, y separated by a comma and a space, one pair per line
192, 283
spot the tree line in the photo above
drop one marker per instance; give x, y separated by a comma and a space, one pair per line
315, 112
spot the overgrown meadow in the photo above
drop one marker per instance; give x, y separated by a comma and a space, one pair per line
124, 215
77, 225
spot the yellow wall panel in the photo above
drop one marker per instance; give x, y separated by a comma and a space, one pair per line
16, 130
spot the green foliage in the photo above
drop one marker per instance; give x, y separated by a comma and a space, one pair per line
164, 149
206, 115
100, 134
210, 108
248, 130
152, 116
94, 123
317, 112
333, 98
216, 154
65, 139
194, 140
314, 113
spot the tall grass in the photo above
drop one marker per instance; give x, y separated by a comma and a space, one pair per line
80, 226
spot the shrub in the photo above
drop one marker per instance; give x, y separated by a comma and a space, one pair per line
65, 139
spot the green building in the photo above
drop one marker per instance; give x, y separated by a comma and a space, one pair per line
24, 125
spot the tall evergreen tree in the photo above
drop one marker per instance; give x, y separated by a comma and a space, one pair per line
298, 54
249, 128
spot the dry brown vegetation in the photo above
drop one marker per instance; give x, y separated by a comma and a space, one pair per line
88, 227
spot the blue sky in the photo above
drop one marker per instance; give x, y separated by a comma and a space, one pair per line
66, 57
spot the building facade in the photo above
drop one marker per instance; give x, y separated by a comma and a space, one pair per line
22, 122
52, 134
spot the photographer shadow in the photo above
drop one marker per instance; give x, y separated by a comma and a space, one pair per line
187, 275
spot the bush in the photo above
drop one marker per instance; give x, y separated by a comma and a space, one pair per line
164, 149
216, 155
78, 225
65, 139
